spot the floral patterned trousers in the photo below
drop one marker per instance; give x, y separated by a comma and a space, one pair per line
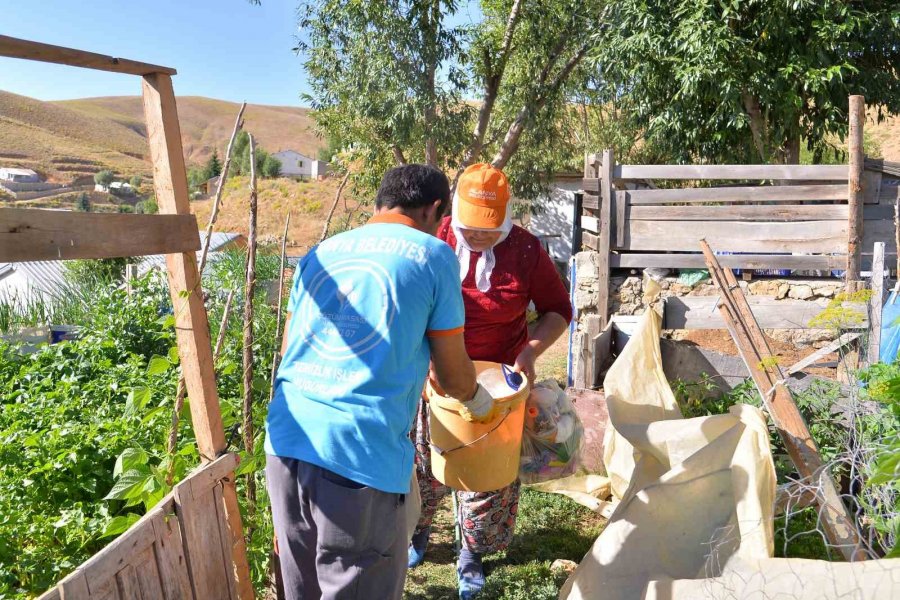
487, 519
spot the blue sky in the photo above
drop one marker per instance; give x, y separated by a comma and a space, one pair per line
226, 49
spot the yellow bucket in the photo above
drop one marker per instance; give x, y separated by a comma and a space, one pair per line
476, 457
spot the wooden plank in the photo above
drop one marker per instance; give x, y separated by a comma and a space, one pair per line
191, 324
224, 536
128, 584
792, 212
209, 475
603, 246
33, 234
51, 594
855, 191
590, 241
699, 312
807, 172
738, 236
590, 201
871, 186
736, 194
148, 577
876, 302
589, 372
74, 587
734, 261
170, 560
202, 542
28, 50
880, 230
840, 527
823, 352
591, 224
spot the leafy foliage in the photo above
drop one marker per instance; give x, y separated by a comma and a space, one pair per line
747, 80
84, 424
104, 177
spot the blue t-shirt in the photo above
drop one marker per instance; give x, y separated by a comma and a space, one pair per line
363, 304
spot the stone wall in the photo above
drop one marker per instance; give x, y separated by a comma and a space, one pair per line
626, 295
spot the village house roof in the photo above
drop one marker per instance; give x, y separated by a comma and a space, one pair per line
23, 172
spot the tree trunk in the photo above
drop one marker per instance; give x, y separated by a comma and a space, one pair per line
758, 126
398, 155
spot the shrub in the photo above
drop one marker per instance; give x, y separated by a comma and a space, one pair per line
104, 177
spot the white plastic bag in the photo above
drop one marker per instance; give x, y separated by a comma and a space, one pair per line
553, 436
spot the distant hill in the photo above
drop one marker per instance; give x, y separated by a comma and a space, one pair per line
69, 139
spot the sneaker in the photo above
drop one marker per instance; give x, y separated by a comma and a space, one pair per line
416, 552
470, 572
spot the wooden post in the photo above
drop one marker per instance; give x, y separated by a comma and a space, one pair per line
249, 289
606, 198
191, 324
130, 275
855, 197
876, 303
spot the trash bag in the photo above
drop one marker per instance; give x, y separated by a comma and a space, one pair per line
553, 436
890, 330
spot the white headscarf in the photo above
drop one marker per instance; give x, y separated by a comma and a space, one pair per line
484, 268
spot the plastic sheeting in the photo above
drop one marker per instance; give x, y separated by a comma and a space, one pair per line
695, 519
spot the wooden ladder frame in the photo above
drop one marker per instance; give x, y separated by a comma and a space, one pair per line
51, 235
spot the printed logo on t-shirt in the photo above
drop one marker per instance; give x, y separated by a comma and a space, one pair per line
348, 309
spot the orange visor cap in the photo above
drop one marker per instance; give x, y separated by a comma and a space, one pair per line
482, 196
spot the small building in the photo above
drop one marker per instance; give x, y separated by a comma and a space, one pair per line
116, 188
294, 164
19, 175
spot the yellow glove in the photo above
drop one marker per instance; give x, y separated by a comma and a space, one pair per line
482, 408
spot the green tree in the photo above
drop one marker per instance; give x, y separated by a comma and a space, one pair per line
271, 167
213, 166
104, 177
136, 182
83, 203
748, 80
419, 70
147, 207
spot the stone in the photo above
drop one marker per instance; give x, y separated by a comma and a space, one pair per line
586, 266
586, 297
764, 287
800, 292
783, 289
563, 564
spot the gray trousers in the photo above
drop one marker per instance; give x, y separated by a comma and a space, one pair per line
337, 539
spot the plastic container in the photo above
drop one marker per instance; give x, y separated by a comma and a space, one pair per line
476, 457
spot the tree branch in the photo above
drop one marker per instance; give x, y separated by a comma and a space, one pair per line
398, 154
337, 197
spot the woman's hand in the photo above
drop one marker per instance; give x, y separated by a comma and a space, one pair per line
525, 362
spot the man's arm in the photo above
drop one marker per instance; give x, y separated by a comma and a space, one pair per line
453, 368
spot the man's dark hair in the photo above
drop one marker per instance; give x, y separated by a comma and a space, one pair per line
413, 186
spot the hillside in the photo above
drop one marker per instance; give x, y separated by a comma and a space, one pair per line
75, 138
308, 201
207, 123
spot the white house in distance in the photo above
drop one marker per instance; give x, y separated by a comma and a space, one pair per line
294, 164
19, 175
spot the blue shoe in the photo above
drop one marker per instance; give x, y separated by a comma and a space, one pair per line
470, 572
416, 552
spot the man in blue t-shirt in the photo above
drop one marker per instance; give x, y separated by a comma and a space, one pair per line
368, 309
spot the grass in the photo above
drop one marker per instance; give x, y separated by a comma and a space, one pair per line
549, 527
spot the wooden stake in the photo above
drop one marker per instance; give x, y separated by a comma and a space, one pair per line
249, 288
276, 357
223, 176
337, 196
607, 193
855, 192
191, 325
840, 527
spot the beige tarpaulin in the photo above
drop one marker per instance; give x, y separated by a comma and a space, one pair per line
695, 520
694, 492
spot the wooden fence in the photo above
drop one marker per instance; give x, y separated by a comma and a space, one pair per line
800, 223
180, 550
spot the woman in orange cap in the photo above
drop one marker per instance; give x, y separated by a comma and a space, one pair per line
503, 268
